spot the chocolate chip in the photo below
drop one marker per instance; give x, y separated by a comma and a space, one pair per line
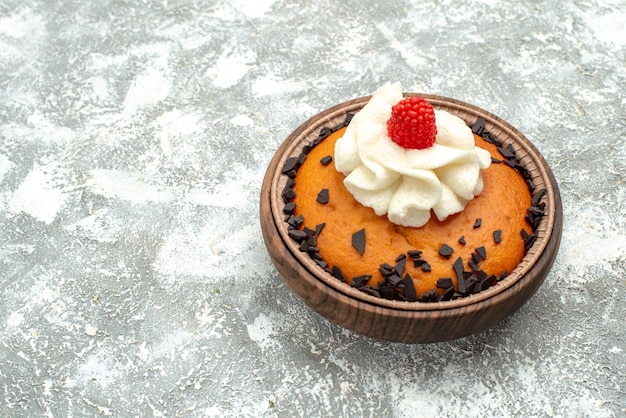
445, 251
322, 196
358, 241
482, 252
462, 240
478, 222
326, 160
426, 267
497, 236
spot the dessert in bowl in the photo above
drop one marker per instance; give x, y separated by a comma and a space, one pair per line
405, 233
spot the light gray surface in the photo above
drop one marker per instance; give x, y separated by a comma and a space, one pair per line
134, 136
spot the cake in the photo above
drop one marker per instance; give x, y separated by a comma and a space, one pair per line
452, 224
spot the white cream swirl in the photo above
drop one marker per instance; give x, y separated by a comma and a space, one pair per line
407, 184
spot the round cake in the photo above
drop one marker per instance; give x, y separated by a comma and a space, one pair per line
418, 256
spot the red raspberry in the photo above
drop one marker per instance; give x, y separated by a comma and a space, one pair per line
412, 123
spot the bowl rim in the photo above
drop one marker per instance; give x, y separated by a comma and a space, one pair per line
526, 153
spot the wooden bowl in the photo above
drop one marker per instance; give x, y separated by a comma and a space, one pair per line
400, 321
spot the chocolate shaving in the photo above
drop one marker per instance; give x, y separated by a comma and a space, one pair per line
425, 267
497, 236
325, 132
291, 164
478, 127
430, 296
482, 252
387, 291
478, 222
386, 270
294, 222
466, 284
462, 240
322, 196
370, 290
445, 283
321, 263
529, 239
458, 268
414, 253
399, 267
289, 208
326, 160
409, 288
288, 195
394, 280
448, 293
445, 251
318, 229
358, 241
338, 274
360, 280
507, 152
487, 282
537, 197
473, 265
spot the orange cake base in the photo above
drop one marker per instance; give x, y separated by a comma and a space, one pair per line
484, 239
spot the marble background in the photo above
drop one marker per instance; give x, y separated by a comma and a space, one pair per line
134, 136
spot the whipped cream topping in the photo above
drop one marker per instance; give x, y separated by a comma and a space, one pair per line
406, 184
